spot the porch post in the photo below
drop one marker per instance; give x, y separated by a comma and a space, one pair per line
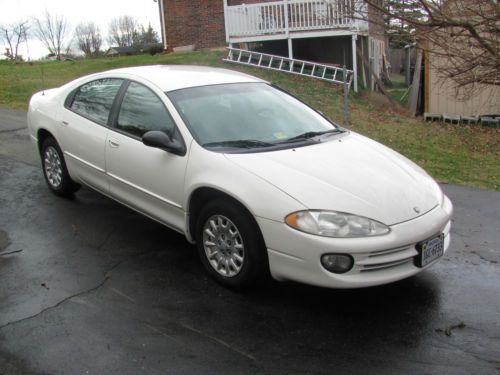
354, 63
287, 29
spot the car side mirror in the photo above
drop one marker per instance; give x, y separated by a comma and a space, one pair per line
159, 139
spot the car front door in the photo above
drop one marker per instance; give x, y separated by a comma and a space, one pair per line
148, 179
84, 129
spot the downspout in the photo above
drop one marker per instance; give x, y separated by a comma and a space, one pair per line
163, 27
226, 23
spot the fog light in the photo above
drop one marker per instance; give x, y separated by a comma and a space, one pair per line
337, 263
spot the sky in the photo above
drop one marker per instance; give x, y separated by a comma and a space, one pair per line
76, 11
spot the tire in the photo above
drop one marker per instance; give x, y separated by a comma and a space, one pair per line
230, 245
55, 171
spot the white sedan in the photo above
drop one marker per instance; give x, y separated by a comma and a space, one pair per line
261, 182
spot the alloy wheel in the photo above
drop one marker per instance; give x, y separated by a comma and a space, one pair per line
52, 166
223, 246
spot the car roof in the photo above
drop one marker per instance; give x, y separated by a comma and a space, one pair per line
175, 77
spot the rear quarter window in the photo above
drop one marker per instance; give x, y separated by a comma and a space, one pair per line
94, 99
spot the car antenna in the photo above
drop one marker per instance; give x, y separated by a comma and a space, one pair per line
43, 80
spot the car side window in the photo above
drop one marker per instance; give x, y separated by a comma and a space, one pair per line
141, 111
94, 99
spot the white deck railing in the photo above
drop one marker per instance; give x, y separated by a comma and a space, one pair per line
283, 17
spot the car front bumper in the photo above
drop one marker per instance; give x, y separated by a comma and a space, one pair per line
295, 255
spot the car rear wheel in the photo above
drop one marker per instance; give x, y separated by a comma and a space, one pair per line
55, 171
230, 245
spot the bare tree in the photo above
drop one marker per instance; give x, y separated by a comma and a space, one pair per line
462, 33
123, 31
89, 40
52, 31
13, 35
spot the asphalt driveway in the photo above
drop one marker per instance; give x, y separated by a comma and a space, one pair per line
91, 287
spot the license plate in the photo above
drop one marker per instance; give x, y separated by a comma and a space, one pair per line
429, 250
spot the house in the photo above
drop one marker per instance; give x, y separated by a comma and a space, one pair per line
338, 32
122, 51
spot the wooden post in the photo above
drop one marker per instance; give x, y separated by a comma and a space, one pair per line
285, 12
407, 65
363, 73
376, 78
354, 62
347, 119
415, 85
287, 33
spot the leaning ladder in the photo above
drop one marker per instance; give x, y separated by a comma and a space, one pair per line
311, 69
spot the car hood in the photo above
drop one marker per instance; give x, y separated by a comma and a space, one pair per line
349, 173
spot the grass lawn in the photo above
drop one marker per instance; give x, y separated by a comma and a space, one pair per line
398, 91
468, 155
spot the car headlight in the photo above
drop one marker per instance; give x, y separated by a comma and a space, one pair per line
335, 224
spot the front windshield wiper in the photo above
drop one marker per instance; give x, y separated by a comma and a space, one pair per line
309, 135
239, 143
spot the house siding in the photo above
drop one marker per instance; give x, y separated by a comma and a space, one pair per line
196, 22
440, 92
442, 97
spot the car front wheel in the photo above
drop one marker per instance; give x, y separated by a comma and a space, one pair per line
55, 171
230, 245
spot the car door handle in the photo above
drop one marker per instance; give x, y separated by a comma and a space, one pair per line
64, 123
113, 143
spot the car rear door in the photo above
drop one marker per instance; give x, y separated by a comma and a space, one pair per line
148, 179
83, 131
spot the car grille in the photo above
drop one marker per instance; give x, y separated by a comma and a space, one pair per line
384, 259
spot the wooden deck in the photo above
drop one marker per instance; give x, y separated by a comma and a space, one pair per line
293, 18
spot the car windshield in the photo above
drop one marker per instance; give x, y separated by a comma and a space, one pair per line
247, 115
